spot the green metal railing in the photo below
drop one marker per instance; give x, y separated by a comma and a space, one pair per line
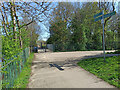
12, 68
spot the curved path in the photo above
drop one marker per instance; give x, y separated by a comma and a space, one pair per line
45, 76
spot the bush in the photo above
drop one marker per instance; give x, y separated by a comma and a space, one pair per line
23, 78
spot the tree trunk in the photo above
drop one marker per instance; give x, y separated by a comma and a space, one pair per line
13, 20
17, 20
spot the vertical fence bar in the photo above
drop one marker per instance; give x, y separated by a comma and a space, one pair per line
103, 34
19, 66
25, 54
3, 73
12, 72
7, 77
10, 75
14, 68
23, 59
0, 60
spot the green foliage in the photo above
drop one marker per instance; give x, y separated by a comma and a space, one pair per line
16, 37
11, 52
10, 48
78, 33
23, 78
81, 31
108, 71
13, 67
119, 35
25, 38
60, 34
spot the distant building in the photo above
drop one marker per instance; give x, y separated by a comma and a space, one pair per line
41, 44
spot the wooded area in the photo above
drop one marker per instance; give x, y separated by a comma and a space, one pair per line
20, 25
72, 26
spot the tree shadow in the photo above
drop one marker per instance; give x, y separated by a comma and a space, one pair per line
69, 63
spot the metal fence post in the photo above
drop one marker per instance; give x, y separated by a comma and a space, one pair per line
13, 68
103, 35
0, 60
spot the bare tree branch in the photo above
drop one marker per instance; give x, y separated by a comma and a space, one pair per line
3, 21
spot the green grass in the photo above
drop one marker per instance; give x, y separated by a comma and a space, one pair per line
23, 78
108, 71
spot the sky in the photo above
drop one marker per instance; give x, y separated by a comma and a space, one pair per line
45, 28
45, 34
59, 0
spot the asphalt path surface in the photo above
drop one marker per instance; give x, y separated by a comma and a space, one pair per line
46, 72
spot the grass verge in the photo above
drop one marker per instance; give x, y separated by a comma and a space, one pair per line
23, 78
108, 71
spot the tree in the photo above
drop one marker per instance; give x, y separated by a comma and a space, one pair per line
119, 35
113, 26
59, 25
78, 32
59, 35
83, 33
15, 9
107, 7
15, 33
84, 16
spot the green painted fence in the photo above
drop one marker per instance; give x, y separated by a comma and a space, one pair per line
12, 68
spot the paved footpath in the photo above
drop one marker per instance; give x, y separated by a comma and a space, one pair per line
45, 76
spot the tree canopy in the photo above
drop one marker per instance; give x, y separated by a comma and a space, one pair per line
72, 26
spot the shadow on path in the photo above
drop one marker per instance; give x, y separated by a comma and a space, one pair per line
70, 63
